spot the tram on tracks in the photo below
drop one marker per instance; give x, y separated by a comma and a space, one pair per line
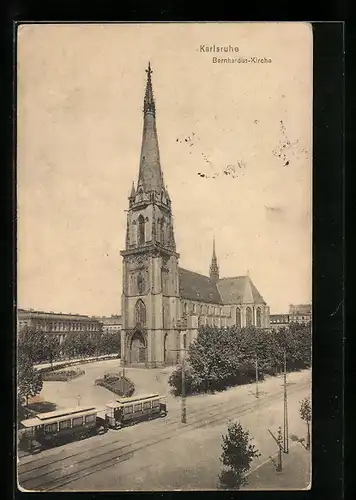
58, 427
127, 411
62, 426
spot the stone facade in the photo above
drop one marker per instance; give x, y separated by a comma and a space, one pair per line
58, 324
301, 313
111, 324
163, 305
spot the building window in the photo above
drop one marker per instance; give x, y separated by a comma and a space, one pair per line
258, 317
238, 317
140, 314
141, 230
140, 284
50, 428
194, 308
158, 232
248, 316
185, 341
185, 308
77, 422
162, 227
65, 424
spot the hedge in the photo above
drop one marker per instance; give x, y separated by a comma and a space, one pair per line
62, 376
116, 383
83, 361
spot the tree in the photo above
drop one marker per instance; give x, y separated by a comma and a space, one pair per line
193, 383
29, 380
31, 343
109, 343
225, 357
305, 414
51, 347
237, 455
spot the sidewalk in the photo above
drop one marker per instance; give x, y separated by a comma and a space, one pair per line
76, 361
295, 474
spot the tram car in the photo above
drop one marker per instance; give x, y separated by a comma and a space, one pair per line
127, 411
58, 427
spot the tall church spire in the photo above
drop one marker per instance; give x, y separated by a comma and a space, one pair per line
214, 268
150, 175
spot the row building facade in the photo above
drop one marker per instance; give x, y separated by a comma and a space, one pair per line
163, 305
58, 324
301, 314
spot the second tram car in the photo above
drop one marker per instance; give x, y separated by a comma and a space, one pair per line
126, 411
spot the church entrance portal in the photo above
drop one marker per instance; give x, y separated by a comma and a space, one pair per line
137, 348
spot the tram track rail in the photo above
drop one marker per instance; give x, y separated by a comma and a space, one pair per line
60, 474
173, 418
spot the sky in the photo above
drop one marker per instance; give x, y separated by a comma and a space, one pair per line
244, 173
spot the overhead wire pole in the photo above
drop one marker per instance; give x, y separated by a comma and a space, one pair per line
256, 363
181, 326
184, 408
278, 441
285, 426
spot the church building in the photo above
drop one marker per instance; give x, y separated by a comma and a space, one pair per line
163, 305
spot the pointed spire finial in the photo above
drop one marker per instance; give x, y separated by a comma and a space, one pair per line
149, 70
149, 104
133, 192
214, 268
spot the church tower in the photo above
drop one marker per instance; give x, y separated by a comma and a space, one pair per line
214, 268
150, 296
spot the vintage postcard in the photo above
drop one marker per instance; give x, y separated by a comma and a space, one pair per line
164, 191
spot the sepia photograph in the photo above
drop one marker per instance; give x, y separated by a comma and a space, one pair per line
164, 256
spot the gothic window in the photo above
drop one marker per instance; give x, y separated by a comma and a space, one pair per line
238, 317
162, 229
185, 341
158, 234
258, 317
140, 284
141, 230
185, 310
248, 316
140, 314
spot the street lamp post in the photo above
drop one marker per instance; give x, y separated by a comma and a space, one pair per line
285, 426
123, 368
